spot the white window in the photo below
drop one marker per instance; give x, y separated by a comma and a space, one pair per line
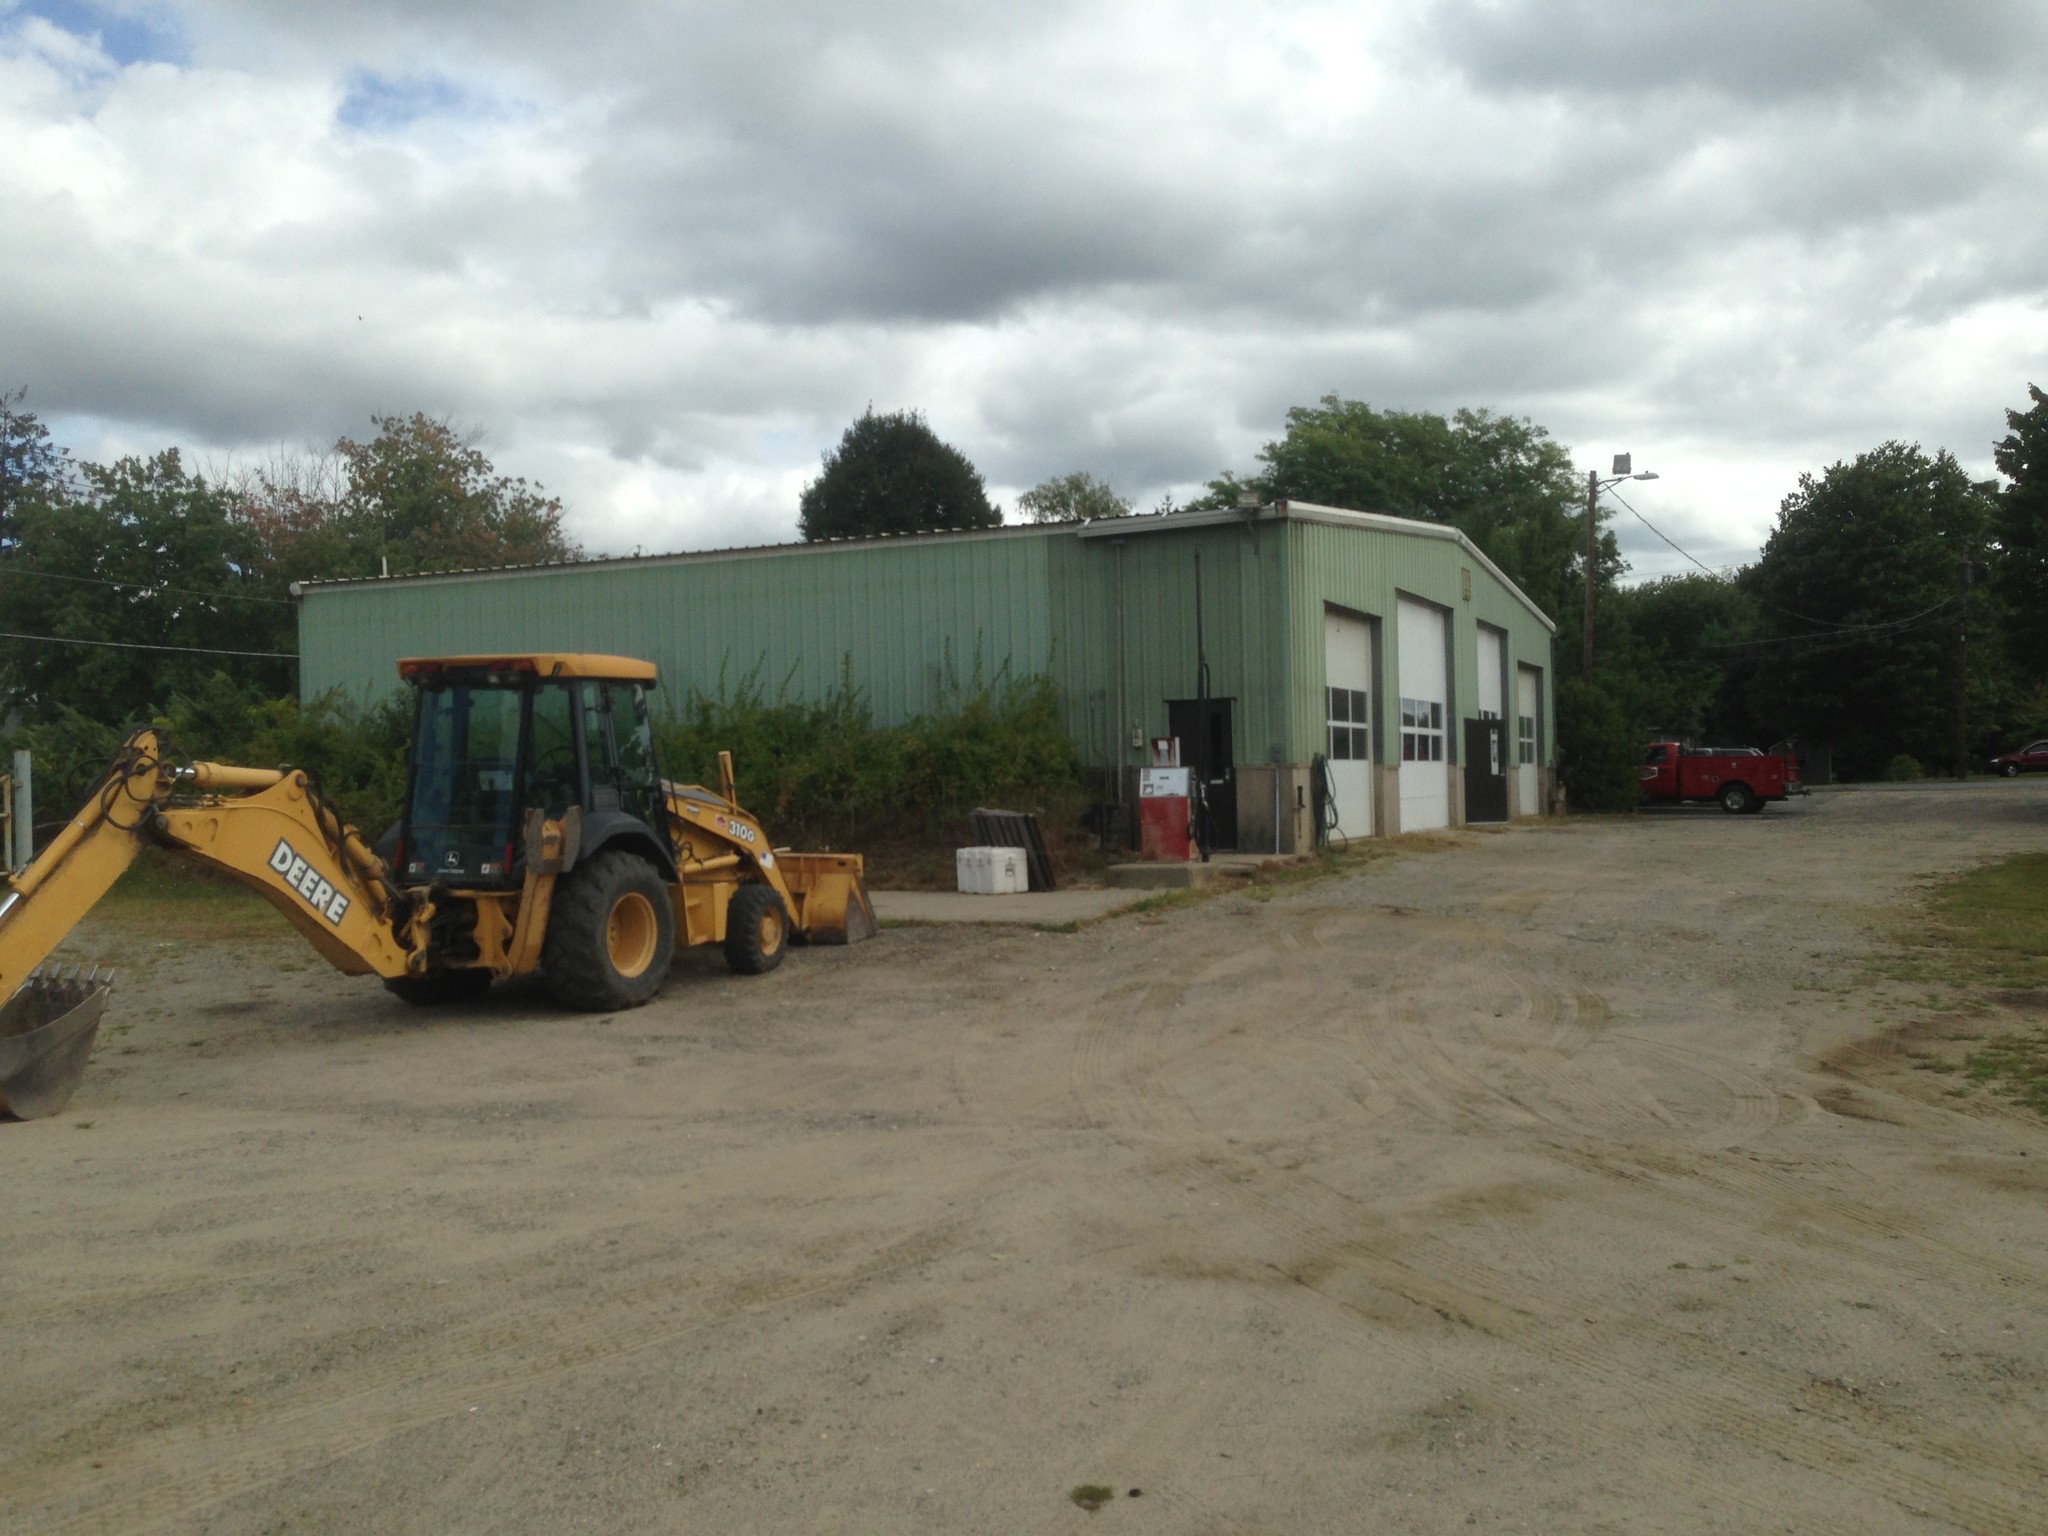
1422, 731
1350, 741
1525, 731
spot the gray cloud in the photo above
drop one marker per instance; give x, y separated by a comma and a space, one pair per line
667, 252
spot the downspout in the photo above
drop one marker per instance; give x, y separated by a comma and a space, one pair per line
1119, 753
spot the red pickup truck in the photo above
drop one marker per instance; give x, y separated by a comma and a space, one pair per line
1741, 778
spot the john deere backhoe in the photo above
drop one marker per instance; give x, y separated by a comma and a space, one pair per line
537, 835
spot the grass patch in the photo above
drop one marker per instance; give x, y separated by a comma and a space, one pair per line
1986, 936
170, 897
1091, 1496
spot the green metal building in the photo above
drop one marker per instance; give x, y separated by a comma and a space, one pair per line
1392, 649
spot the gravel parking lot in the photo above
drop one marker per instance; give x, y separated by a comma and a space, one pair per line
1564, 1178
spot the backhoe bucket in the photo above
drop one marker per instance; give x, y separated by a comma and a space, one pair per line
831, 896
46, 1035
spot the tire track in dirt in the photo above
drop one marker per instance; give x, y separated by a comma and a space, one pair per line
1319, 1222
239, 1452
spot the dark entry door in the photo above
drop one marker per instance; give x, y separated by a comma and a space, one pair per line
1486, 770
1206, 747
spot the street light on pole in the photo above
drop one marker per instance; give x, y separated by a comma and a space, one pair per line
1623, 470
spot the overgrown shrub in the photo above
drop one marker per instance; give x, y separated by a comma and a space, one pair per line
1599, 756
821, 775
824, 775
1905, 768
356, 754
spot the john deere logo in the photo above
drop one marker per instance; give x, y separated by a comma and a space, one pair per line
305, 879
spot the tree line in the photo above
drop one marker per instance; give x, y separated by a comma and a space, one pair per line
123, 585
1893, 599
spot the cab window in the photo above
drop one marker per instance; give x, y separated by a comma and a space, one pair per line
551, 776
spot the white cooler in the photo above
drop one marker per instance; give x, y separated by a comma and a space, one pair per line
992, 871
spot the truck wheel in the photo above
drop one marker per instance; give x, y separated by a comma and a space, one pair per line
440, 988
1736, 799
611, 934
756, 930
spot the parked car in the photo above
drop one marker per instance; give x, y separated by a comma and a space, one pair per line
2028, 759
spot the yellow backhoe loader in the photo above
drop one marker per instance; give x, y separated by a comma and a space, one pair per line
537, 835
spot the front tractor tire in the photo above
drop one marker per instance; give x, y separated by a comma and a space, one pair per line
611, 934
1737, 800
756, 930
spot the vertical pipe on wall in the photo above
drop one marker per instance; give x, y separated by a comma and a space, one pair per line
1123, 723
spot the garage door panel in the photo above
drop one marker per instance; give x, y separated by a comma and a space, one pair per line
1425, 707
1347, 720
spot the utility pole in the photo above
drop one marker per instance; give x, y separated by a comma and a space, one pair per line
1963, 665
1592, 561
1624, 469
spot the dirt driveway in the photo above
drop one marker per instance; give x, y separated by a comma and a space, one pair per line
1495, 1186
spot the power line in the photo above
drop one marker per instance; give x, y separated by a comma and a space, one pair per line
144, 586
1716, 575
130, 645
1846, 630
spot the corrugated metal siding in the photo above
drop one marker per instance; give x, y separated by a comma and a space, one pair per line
1362, 570
906, 618
1244, 589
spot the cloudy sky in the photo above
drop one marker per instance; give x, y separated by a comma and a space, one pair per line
662, 253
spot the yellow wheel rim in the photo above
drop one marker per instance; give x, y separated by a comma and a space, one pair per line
632, 934
771, 930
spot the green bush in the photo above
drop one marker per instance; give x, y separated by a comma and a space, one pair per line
821, 775
357, 755
824, 775
1904, 769
1599, 755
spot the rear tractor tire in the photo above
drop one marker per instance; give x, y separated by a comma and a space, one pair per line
756, 930
439, 988
611, 934
1736, 799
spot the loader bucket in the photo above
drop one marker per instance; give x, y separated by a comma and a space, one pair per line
46, 1035
831, 896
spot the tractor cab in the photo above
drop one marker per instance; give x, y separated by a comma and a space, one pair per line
499, 738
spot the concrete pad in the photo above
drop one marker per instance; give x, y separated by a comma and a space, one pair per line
1029, 908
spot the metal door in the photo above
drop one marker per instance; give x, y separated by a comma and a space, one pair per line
1207, 748
1486, 770
1528, 752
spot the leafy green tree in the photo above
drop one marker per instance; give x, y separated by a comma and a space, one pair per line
1074, 498
1676, 656
130, 582
29, 462
1502, 480
416, 497
1857, 591
892, 474
2021, 572
1599, 749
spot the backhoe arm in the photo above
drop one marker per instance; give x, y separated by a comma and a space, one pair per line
275, 834
47, 900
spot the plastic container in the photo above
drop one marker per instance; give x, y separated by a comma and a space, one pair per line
992, 871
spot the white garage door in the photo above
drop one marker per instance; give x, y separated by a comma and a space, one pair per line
1528, 705
1425, 711
1347, 710
1493, 673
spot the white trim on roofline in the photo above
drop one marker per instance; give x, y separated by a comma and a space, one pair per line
1310, 512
